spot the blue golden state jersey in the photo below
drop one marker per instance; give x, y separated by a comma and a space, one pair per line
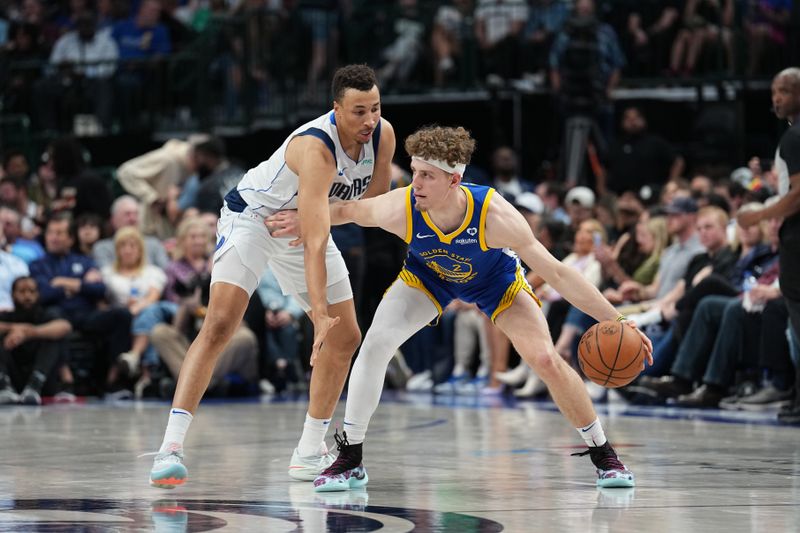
459, 265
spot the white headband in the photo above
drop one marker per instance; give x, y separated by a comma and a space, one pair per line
444, 165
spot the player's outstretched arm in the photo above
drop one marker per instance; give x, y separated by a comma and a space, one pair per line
506, 228
387, 211
381, 180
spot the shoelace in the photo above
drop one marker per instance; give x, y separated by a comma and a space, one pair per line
166, 453
349, 456
604, 457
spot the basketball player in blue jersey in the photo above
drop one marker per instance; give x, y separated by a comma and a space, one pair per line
345, 154
463, 240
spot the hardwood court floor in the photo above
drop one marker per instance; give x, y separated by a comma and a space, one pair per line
465, 465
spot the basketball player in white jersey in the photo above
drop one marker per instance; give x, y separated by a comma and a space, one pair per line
345, 154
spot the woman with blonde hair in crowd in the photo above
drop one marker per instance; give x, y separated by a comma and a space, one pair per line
651, 238
136, 285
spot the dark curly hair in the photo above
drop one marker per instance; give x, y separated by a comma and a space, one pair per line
358, 77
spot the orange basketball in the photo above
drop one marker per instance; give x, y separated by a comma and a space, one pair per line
611, 354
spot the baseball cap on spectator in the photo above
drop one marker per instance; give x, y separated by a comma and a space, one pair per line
530, 202
580, 195
681, 205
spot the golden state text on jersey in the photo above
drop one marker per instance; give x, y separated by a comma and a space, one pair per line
459, 264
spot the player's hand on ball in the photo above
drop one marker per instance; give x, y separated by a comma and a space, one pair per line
322, 325
648, 344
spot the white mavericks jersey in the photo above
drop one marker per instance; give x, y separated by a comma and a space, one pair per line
272, 186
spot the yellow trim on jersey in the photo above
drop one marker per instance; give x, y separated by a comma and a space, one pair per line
447, 239
413, 281
409, 213
519, 284
482, 223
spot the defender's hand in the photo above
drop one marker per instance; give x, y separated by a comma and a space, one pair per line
322, 325
285, 224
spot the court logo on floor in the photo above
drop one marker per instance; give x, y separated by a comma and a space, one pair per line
342, 511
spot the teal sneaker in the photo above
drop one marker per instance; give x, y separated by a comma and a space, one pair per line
347, 472
169, 517
168, 471
611, 473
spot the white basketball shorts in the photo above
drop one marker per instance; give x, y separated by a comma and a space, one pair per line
245, 248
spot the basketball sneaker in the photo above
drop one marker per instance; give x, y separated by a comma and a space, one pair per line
168, 471
347, 472
169, 516
610, 470
308, 468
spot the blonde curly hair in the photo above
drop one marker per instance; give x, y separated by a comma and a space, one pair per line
454, 145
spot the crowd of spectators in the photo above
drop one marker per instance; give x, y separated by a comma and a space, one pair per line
105, 61
116, 287
102, 289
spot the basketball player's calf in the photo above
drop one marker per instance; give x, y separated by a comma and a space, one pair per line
569, 394
311, 457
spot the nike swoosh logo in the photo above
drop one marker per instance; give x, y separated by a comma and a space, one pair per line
589, 428
421, 236
220, 243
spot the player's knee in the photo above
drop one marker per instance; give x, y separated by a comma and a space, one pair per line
217, 331
378, 340
544, 362
352, 339
345, 341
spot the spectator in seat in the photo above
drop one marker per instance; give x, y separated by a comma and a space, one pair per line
31, 343
638, 158
72, 85
90, 231
135, 285
282, 317
11, 268
766, 24
72, 283
498, 27
154, 178
450, 26
142, 40
125, 213
28, 250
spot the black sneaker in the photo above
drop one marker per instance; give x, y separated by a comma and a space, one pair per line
346, 472
610, 470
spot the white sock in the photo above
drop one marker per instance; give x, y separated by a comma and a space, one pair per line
313, 435
593, 434
177, 426
355, 432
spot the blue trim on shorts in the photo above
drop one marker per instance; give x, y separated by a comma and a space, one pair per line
234, 201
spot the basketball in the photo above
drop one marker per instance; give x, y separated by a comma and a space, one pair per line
610, 354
